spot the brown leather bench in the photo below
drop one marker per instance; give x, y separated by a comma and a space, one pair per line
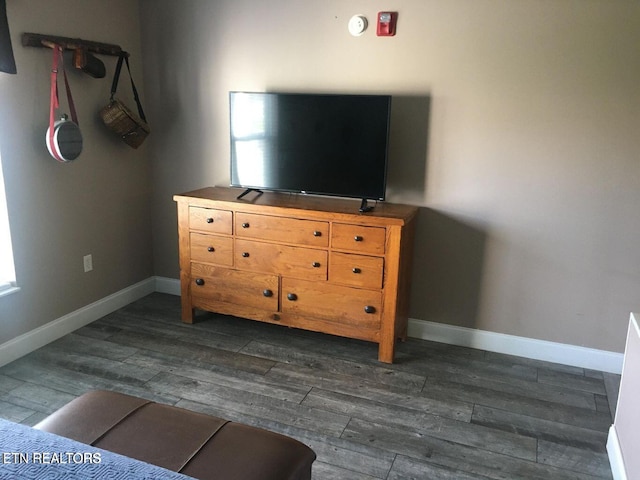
198, 445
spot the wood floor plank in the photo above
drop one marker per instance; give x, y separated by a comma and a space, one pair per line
575, 382
449, 362
326, 362
349, 385
326, 471
593, 373
517, 403
97, 330
526, 425
76, 383
438, 427
239, 380
188, 350
415, 349
31, 420
90, 365
602, 404
407, 468
454, 456
540, 364
37, 398
33, 370
208, 337
8, 383
575, 459
14, 412
612, 387
93, 346
251, 404
550, 393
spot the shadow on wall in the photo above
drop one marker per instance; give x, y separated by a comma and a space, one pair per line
447, 270
448, 253
408, 147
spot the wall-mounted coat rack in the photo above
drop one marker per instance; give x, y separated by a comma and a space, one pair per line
83, 50
46, 41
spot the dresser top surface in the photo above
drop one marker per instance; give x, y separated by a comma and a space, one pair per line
254, 201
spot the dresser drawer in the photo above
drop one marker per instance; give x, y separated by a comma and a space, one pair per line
352, 306
295, 262
233, 286
210, 220
211, 249
356, 270
358, 238
280, 229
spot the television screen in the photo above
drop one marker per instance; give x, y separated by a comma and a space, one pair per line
324, 144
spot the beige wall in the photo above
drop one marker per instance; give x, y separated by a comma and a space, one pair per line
59, 213
515, 127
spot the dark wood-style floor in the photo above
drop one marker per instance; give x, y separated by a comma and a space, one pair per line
439, 412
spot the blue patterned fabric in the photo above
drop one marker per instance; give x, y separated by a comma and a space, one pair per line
27, 453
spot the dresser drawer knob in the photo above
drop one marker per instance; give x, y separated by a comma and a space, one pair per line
267, 293
209, 220
292, 296
317, 233
199, 281
211, 249
370, 309
315, 264
245, 225
356, 270
358, 238
245, 254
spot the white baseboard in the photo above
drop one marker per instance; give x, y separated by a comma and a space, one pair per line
170, 286
615, 455
519, 346
437, 332
30, 341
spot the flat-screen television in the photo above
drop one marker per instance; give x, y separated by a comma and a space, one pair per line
322, 144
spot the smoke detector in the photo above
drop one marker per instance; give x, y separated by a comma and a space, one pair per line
357, 25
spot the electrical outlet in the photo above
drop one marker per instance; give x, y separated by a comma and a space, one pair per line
88, 263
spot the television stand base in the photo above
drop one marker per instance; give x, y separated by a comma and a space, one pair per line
249, 190
365, 207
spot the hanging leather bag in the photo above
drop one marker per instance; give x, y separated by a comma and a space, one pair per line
118, 118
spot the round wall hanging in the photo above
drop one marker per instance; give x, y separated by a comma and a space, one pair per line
66, 142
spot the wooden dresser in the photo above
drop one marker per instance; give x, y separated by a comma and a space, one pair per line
314, 263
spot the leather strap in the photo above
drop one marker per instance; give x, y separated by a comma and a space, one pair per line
54, 101
57, 53
72, 106
124, 56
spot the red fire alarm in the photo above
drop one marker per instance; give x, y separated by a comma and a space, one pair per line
387, 24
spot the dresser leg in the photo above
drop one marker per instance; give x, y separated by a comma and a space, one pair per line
188, 312
386, 352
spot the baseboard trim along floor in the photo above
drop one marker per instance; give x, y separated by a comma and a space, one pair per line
615, 455
573, 355
494, 342
41, 336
